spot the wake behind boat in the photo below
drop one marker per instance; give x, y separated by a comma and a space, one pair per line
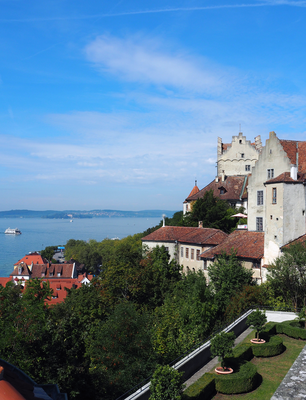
10, 231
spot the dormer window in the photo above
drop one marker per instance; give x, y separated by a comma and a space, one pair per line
58, 274
222, 190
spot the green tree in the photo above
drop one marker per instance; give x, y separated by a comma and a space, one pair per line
120, 351
257, 319
48, 252
185, 319
213, 212
287, 275
221, 346
166, 384
227, 277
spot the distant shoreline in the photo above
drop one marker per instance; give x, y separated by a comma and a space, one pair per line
72, 214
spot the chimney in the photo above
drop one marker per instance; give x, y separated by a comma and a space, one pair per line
222, 177
216, 179
164, 222
200, 224
293, 172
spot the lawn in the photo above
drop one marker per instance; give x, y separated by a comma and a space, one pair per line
271, 369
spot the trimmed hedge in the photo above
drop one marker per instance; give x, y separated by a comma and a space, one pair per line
270, 328
243, 351
269, 349
203, 388
291, 329
242, 381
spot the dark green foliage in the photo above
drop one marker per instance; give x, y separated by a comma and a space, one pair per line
213, 212
166, 384
257, 320
204, 388
270, 328
243, 380
221, 346
48, 253
291, 329
269, 349
120, 351
84, 253
227, 277
186, 317
242, 300
288, 275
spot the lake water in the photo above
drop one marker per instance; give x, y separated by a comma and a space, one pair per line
37, 233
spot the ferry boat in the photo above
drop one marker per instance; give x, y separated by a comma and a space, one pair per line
10, 231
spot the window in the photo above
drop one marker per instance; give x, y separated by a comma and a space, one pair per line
240, 141
192, 254
198, 255
205, 265
256, 265
167, 249
270, 173
187, 252
58, 274
222, 191
242, 155
259, 197
182, 252
259, 226
274, 195
248, 168
51, 274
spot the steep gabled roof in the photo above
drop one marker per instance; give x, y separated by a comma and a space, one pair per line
233, 185
24, 270
245, 243
195, 190
34, 258
184, 234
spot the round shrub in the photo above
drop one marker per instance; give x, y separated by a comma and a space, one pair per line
269, 349
243, 381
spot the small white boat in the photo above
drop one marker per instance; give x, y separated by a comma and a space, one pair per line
10, 231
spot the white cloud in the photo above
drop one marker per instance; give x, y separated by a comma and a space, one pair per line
143, 60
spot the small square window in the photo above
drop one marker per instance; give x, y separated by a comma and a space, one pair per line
242, 155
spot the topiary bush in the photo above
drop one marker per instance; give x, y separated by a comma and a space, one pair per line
269, 349
257, 319
292, 329
221, 346
242, 381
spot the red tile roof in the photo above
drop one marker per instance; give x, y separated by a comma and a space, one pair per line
247, 245
195, 190
58, 286
234, 188
296, 152
300, 239
285, 178
186, 235
46, 271
29, 258
226, 146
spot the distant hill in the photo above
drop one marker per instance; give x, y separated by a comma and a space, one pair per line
70, 214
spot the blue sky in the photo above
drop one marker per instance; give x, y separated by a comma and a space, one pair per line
119, 104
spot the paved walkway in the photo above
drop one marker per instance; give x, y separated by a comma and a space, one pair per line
293, 386
211, 364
